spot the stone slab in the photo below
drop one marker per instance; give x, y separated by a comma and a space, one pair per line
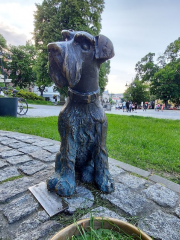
30, 149
177, 211
40, 154
115, 171
20, 208
50, 201
42, 232
103, 212
10, 153
129, 168
132, 181
43, 143
3, 164
82, 198
8, 172
4, 148
11, 189
161, 226
52, 149
22, 137
171, 185
128, 201
29, 168
162, 195
19, 159
18, 144
9, 141
32, 223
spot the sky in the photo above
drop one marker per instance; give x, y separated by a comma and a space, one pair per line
135, 27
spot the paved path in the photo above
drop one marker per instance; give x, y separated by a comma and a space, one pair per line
45, 111
26, 160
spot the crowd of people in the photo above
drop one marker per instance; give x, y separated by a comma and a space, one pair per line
129, 106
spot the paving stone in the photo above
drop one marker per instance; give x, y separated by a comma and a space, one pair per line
171, 185
18, 144
11, 189
20, 208
29, 140
8, 172
40, 154
132, 181
10, 153
126, 200
23, 137
32, 167
32, 223
9, 141
4, 148
52, 149
30, 149
19, 159
82, 198
43, 143
103, 212
129, 168
162, 195
115, 171
161, 226
50, 158
3, 139
41, 232
43, 174
3, 164
177, 211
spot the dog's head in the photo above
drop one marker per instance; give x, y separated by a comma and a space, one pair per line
79, 50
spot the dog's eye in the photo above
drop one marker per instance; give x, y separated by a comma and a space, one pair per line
85, 46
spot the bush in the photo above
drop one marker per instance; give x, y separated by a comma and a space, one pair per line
29, 95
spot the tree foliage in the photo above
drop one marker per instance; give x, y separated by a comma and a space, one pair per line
23, 59
2, 42
51, 17
137, 91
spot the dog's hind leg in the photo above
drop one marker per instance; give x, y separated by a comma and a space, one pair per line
103, 178
87, 172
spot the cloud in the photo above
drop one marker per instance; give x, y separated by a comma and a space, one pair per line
16, 22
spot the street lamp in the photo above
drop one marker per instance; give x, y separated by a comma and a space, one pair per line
131, 85
4, 72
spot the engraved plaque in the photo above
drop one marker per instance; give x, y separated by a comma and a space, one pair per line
50, 201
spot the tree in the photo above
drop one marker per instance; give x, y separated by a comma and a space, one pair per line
146, 68
23, 59
51, 17
166, 83
137, 92
2, 42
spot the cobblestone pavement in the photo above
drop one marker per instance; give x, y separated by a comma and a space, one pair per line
26, 160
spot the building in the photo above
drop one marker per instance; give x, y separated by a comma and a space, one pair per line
49, 94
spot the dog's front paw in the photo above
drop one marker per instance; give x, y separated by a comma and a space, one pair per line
65, 186
105, 183
52, 181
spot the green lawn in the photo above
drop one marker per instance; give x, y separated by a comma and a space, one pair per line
147, 143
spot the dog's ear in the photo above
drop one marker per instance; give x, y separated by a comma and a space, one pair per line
72, 66
104, 48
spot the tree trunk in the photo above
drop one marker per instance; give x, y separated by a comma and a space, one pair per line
166, 103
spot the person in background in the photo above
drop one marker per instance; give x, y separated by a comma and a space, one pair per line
127, 106
124, 105
162, 107
130, 106
135, 107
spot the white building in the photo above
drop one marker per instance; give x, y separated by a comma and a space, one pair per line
49, 94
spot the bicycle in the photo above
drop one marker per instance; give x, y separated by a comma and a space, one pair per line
22, 107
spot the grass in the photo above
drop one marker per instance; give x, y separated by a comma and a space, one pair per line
11, 179
147, 143
39, 102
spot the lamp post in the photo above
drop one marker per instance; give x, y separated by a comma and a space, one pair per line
131, 85
4, 72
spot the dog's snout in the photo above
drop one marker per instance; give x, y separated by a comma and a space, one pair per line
52, 46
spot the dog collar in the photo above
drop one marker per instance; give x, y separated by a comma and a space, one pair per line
76, 96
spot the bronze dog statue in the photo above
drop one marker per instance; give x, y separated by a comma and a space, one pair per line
82, 123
